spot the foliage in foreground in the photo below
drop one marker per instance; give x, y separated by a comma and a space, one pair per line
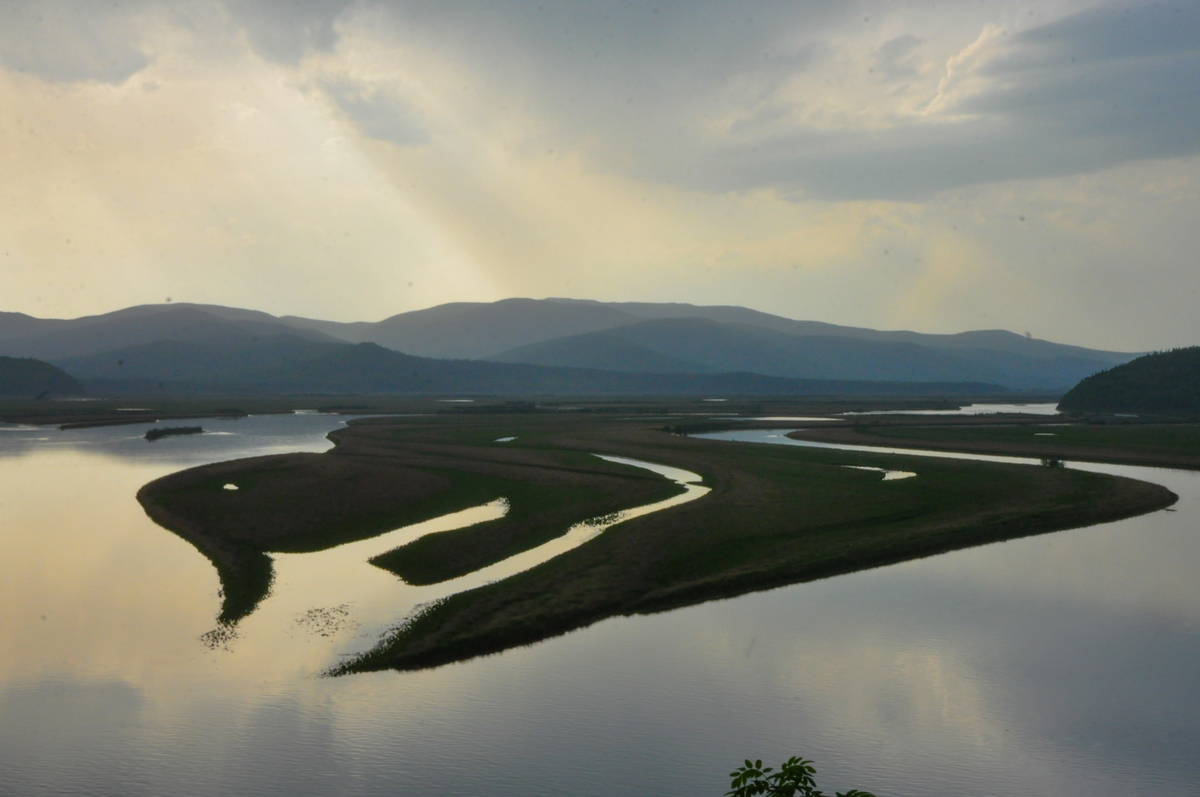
794, 779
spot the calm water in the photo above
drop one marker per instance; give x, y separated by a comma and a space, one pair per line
972, 409
1062, 664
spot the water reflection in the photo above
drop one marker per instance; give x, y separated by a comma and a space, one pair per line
1060, 664
223, 438
337, 595
796, 418
973, 409
888, 475
1135, 564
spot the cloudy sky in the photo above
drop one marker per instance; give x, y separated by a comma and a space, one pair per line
930, 166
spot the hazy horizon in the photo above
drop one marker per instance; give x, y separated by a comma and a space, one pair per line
892, 166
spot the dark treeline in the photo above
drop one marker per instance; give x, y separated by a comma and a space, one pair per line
1165, 382
172, 431
27, 377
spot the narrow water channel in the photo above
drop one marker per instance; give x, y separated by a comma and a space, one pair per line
350, 604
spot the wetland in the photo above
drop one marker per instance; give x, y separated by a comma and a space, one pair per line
816, 666
772, 516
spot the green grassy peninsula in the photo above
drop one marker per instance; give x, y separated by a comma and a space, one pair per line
775, 515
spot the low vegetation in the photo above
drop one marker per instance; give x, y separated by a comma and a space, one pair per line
775, 515
158, 433
794, 778
297, 503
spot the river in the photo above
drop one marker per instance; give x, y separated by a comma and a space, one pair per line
1057, 664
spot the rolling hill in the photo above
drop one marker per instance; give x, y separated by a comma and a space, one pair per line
699, 345
481, 330
29, 378
472, 330
55, 339
1165, 382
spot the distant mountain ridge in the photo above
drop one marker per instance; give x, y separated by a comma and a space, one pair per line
625, 337
55, 339
291, 365
699, 345
471, 330
479, 329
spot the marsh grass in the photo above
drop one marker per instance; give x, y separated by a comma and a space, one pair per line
535, 516
775, 515
302, 503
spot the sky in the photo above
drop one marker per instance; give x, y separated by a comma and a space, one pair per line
903, 165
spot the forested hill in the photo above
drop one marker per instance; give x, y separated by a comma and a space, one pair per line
26, 377
1165, 382
286, 364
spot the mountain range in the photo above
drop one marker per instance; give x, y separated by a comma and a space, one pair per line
531, 346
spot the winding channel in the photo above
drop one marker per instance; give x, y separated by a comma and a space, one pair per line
780, 437
337, 598
337, 595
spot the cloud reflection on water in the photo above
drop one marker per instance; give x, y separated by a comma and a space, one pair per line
1056, 664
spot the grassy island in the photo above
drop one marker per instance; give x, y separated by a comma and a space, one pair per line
24, 376
158, 433
775, 515
237, 512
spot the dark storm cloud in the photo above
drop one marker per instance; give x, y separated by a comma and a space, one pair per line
696, 95
1111, 33
894, 58
589, 63
637, 87
285, 31
1118, 83
1084, 93
378, 115
71, 40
